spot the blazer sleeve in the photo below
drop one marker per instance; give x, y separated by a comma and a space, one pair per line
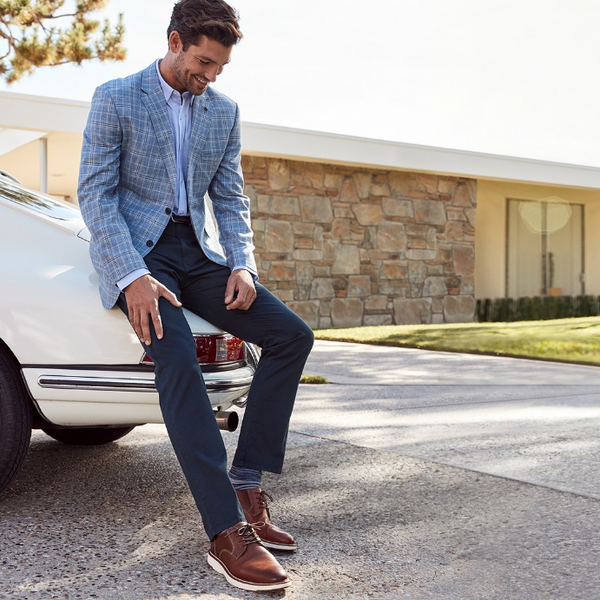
231, 206
112, 250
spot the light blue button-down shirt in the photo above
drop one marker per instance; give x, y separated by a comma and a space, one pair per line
179, 107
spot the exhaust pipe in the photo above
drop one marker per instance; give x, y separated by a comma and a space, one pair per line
227, 420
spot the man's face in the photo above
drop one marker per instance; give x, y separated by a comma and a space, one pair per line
199, 65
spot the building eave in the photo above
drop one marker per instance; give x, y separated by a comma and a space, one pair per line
38, 113
267, 140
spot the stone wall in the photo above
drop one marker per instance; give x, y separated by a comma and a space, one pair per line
346, 246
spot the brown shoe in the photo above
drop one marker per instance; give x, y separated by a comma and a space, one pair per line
238, 554
256, 510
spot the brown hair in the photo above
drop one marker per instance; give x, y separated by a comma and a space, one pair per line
213, 18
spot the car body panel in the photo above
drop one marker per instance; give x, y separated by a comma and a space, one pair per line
53, 275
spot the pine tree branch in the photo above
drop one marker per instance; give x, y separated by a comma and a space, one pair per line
10, 41
41, 45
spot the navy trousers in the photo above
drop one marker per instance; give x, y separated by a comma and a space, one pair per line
179, 263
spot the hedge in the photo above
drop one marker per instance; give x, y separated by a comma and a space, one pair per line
538, 308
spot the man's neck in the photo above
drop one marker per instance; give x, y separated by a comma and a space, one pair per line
164, 66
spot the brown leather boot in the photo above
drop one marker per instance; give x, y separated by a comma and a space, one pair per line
238, 554
256, 510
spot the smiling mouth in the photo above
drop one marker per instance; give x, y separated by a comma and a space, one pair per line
200, 80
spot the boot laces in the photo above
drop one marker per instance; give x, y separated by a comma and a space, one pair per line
262, 499
247, 533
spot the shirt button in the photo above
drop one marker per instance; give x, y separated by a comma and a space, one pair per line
149, 243
168, 211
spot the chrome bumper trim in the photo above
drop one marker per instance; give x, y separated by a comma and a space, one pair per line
71, 382
253, 355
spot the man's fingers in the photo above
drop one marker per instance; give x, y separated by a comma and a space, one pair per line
230, 292
244, 300
169, 295
145, 327
142, 297
158, 328
237, 303
140, 321
240, 292
237, 298
133, 319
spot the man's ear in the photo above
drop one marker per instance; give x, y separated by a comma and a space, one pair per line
175, 43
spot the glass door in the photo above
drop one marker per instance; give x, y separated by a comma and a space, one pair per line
544, 248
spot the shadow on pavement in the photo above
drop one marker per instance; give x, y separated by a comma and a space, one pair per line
118, 522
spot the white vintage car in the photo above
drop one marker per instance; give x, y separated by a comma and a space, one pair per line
68, 366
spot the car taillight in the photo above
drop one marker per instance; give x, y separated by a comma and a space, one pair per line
214, 349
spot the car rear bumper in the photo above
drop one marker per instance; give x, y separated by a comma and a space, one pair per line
131, 384
67, 396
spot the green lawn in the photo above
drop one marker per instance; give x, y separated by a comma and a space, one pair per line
570, 340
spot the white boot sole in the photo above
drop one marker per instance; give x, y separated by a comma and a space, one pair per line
275, 546
219, 567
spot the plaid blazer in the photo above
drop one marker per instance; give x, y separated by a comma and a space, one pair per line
127, 178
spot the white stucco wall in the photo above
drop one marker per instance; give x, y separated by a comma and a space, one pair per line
64, 150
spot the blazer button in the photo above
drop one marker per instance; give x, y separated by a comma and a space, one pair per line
149, 243
168, 211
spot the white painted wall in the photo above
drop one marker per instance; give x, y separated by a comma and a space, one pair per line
64, 150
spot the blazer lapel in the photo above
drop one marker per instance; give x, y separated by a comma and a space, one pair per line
153, 99
201, 117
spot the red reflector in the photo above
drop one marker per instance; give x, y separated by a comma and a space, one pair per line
214, 349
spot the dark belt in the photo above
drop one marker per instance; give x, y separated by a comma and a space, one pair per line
184, 219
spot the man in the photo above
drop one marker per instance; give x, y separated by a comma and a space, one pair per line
155, 143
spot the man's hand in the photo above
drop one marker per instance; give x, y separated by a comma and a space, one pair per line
240, 292
142, 300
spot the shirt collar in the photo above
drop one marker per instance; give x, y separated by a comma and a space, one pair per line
168, 91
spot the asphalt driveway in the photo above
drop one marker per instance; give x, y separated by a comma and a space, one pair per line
413, 475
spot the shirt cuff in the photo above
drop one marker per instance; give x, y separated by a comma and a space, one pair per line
254, 274
123, 283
